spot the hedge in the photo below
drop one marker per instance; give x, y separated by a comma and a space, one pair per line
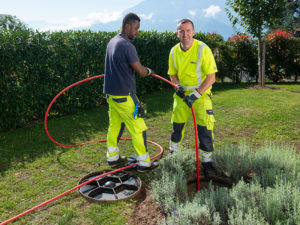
35, 66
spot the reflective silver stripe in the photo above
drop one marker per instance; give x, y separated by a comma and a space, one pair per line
143, 157
207, 157
145, 164
187, 88
173, 57
198, 66
174, 146
112, 149
112, 158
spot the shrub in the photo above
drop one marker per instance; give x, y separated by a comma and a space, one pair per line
192, 213
272, 162
234, 162
282, 57
35, 66
169, 185
244, 58
271, 200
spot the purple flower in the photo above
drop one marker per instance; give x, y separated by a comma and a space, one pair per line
175, 213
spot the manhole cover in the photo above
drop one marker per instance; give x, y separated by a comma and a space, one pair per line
113, 187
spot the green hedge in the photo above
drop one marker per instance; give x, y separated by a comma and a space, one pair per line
36, 66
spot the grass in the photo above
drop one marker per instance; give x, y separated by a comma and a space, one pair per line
33, 169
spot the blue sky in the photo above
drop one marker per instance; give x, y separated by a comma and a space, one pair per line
65, 14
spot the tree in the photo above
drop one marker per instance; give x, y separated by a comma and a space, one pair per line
255, 16
8, 22
291, 17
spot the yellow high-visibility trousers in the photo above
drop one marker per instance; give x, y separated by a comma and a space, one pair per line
204, 117
121, 110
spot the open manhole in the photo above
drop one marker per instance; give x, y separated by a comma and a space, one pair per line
204, 182
113, 187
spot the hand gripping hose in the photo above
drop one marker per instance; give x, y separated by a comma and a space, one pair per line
91, 142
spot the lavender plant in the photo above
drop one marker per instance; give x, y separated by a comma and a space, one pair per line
192, 213
272, 161
234, 162
271, 197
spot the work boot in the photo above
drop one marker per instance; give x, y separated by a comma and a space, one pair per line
209, 170
171, 152
131, 168
118, 162
143, 169
131, 160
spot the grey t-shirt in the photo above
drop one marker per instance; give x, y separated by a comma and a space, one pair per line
119, 76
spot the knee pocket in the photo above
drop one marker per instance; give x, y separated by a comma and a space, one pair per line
136, 126
210, 119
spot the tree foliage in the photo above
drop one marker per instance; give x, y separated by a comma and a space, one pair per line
255, 16
8, 22
291, 17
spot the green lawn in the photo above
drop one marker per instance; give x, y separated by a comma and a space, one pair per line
33, 169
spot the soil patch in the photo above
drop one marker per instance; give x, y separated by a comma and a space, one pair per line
147, 211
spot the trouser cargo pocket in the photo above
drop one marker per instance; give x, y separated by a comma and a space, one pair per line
210, 119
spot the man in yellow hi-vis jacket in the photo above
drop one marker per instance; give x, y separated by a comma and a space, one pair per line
192, 67
121, 61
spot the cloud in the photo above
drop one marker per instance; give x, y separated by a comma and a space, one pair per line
212, 10
146, 17
192, 12
90, 19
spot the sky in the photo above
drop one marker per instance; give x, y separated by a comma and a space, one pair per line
65, 14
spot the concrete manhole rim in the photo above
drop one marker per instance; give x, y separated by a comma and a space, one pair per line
98, 173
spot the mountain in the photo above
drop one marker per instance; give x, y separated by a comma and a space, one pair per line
162, 15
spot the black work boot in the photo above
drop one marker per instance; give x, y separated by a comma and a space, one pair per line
121, 160
209, 170
143, 169
131, 160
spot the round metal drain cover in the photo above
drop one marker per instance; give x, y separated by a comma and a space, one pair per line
113, 187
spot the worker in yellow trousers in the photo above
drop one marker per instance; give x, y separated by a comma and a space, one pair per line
121, 61
192, 68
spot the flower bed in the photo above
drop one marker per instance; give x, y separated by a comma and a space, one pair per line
265, 190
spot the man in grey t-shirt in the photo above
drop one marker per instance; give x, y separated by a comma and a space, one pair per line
121, 61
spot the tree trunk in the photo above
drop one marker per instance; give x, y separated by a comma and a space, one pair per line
263, 68
260, 78
259, 61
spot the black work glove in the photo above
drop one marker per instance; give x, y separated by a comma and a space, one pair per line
179, 91
149, 71
191, 98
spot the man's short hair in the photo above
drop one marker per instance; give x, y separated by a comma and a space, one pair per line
129, 18
185, 21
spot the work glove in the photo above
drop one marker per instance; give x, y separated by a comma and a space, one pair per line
191, 98
149, 71
179, 91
